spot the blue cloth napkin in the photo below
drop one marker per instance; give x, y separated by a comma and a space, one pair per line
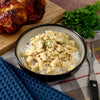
17, 85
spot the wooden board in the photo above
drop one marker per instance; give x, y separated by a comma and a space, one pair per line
52, 15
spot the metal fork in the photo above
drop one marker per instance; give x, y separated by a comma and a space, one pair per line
93, 85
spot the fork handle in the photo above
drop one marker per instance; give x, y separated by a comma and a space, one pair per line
94, 93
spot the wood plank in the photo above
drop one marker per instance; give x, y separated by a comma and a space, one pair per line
73, 4
52, 15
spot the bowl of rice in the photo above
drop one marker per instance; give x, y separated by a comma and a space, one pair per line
50, 52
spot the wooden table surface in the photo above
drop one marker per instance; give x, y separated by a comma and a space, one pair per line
72, 4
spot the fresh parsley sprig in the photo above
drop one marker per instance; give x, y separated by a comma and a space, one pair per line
83, 20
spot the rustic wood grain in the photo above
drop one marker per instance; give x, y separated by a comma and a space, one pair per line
52, 15
73, 4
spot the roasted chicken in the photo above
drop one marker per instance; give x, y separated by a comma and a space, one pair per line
15, 13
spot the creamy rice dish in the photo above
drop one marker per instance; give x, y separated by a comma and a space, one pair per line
51, 53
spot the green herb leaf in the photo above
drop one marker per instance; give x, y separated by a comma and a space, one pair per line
83, 20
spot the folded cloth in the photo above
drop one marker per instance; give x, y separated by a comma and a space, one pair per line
29, 87
11, 87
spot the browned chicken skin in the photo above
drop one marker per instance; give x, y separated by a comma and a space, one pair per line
14, 13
